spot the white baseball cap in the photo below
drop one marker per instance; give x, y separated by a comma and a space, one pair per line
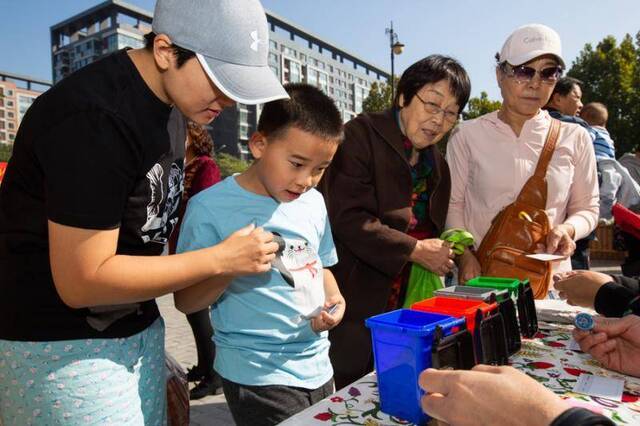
531, 41
231, 41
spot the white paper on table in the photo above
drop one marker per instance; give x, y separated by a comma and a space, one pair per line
603, 387
559, 311
545, 257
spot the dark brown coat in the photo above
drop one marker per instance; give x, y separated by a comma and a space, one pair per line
368, 192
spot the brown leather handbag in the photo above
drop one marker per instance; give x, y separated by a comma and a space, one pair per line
520, 226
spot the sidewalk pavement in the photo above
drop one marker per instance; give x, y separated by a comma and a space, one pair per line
213, 410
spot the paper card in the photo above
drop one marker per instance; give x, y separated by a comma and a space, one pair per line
603, 387
546, 257
573, 345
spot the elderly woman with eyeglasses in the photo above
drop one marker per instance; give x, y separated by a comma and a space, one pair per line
493, 156
387, 192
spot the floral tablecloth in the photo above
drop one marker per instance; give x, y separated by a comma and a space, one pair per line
546, 358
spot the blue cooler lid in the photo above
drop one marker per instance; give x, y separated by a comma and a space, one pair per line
412, 322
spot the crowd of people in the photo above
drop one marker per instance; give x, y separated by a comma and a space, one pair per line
278, 267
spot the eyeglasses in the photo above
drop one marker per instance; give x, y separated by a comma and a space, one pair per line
434, 109
524, 74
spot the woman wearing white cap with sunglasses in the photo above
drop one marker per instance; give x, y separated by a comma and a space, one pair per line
493, 156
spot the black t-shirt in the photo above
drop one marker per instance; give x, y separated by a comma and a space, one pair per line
97, 151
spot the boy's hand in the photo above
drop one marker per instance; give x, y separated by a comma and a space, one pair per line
247, 251
326, 321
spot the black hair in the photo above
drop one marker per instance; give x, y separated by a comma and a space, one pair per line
565, 85
307, 109
182, 55
433, 69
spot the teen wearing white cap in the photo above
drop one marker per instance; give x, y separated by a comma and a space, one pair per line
493, 156
88, 202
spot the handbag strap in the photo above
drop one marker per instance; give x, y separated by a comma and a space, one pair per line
548, 148
534, 192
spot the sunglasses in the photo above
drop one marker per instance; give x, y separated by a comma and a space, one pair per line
524, 74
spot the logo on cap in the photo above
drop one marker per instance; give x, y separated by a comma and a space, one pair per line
535, 39
256, 40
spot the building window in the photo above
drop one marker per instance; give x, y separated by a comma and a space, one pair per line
273, 58
318, 78
12, 136
243, 132
312, 76
3, 136
10, 125
273, 45
322, 82
10, 114
288, 51
110, 43
9, 92
9, 103
244, 116
292, 71
275, 70
126, 41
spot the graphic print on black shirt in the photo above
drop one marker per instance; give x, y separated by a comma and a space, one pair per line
97, 151
160, 223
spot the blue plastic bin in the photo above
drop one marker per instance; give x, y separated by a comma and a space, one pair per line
402, 342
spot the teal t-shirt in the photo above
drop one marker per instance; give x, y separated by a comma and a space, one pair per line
260, 334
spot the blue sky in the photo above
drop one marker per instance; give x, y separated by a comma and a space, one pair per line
471, 31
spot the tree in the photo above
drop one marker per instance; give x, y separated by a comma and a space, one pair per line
229, 164
611, 75
5, 152
379, 98
480, 106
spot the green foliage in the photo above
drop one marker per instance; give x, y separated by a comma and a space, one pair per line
229, 164
5, 152
480, 106
379, 98
611, 75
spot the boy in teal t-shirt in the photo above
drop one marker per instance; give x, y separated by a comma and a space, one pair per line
271, 329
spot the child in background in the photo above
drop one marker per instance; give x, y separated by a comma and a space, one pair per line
271, 329
616, 184
596, 115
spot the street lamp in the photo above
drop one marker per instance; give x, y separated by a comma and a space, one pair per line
396, 48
